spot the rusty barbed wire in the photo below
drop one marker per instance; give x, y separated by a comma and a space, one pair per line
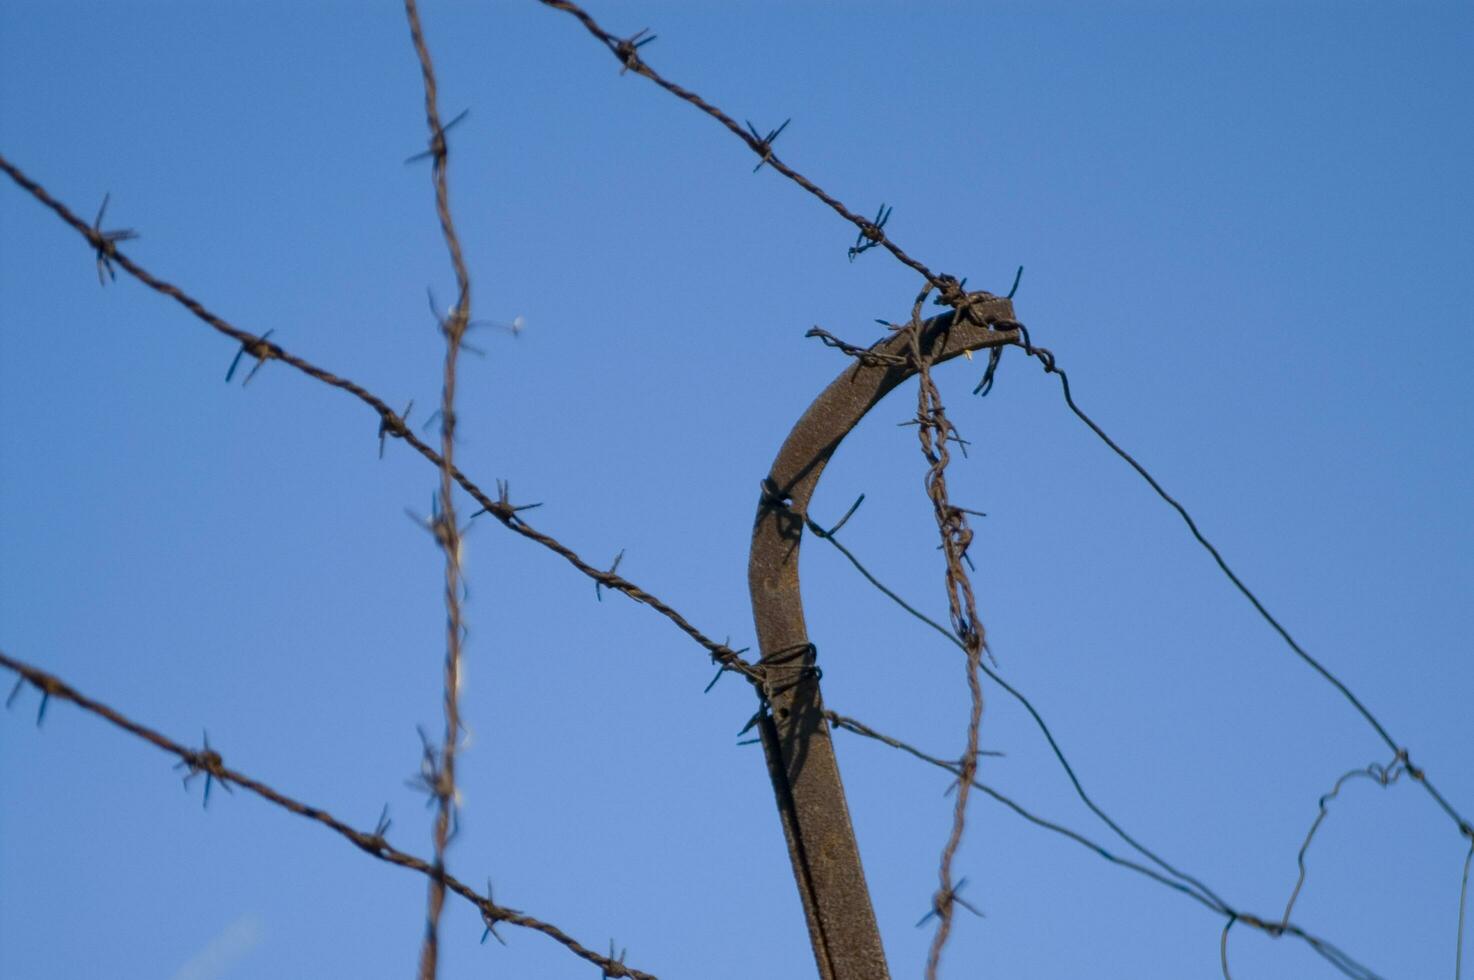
934, 430
625, 50
447, 532
209, 762
391, 424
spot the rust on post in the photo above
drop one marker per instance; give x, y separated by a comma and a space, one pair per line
795, 734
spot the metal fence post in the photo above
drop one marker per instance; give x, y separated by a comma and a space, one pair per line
795, 734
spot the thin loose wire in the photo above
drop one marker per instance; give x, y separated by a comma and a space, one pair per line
1047, 360
1206, 893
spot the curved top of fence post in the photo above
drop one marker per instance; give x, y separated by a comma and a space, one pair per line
795, 735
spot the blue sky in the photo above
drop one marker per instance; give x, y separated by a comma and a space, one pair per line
1246, 235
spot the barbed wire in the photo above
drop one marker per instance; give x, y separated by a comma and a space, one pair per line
931, 420
209, 762
391, 424
935, 430
441, 773
626, 51
441, 525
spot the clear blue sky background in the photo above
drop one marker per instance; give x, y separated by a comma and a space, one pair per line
1246, 229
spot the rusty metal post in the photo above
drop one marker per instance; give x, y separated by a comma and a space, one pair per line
795, 734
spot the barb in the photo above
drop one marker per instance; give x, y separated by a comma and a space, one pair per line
261, 351
206, 762
394, 425
1329, 951
598, 586
617, 960
447, 533
628, 56
209, 761
953, 898
1047, 360
1190, 884
764, 144
934, 429
438, 147
384, 427
107, 243
871, 234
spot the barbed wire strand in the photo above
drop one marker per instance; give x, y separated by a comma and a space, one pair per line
1197, 887
1050, 365
391, 423
446, 530
210, 762
934, 430
626, 51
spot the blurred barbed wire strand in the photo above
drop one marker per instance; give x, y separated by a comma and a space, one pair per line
442, 775
391, 422
210, 762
